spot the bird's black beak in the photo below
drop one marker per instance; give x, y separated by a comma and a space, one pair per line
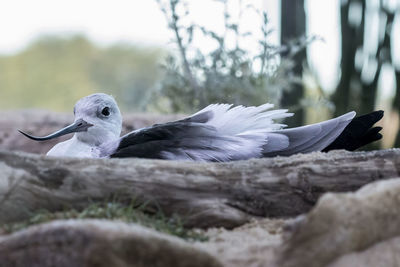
78, 126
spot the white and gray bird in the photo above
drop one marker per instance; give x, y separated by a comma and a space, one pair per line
219, 132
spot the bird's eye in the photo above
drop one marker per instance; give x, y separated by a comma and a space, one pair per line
106, 111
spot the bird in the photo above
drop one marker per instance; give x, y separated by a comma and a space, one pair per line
217, 133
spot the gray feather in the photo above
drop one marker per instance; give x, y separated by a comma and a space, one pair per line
314, 137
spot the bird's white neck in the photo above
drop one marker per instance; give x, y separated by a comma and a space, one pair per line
95, 139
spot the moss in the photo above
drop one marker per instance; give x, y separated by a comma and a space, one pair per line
112, 211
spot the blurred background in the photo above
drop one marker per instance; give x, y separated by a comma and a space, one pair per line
317, 58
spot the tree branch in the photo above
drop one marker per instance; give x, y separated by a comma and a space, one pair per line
204, 194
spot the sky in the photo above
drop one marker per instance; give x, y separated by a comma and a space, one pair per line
141, 22
103, 21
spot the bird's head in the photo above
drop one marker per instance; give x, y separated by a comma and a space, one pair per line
102, 113
97, 120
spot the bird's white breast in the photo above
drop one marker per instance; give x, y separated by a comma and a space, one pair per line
73, 148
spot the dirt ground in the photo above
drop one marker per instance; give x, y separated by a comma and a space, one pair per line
250, 245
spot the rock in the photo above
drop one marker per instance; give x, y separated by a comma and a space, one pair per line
252, 244
360, 229
343, 224
385, 253
97, 243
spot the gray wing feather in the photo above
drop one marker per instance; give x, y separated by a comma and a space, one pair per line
275, 142
314, 137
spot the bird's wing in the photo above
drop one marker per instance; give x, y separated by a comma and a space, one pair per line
230, 120
216, 133
314, 137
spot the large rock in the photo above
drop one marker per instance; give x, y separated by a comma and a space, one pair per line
340, 224
360, 229
385, 253
252, 244
96, 243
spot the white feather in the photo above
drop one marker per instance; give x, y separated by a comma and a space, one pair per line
237, 120
240, 133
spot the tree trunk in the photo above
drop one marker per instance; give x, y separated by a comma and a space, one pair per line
352, 39
293, 26
369, 92
396, 105
204, 194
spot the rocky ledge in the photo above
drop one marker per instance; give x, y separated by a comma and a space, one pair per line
343, 229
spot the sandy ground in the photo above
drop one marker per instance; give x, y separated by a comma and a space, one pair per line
250, 245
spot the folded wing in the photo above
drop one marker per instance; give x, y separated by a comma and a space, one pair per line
223, 133
216, 133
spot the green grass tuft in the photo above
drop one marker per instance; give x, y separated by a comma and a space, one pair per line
111, 211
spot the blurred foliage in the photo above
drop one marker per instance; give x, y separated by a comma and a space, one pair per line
229, 73
54, 72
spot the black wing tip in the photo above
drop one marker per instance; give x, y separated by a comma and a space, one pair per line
379, 114
378, 136
371, 117
377, 129
359, 132
373, 135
